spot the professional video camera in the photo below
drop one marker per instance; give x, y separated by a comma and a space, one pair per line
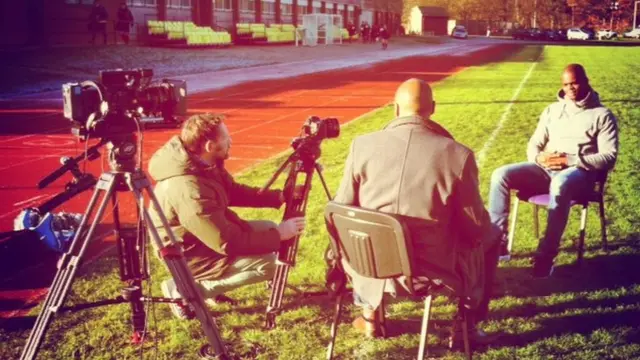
112, 105
315, 130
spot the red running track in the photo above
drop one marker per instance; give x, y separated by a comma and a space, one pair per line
262, 116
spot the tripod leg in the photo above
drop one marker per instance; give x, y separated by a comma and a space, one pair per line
324, 183
67, 267
174, 259
130, 271
287, 255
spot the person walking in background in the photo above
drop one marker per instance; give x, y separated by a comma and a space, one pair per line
98, 21
384, 37
125, 22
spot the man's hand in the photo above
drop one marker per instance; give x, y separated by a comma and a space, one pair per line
553, 161
291, 227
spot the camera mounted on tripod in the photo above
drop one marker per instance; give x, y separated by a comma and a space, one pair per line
111, 105
314, 130
118, 104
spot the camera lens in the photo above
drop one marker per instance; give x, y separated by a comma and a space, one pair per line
332, 127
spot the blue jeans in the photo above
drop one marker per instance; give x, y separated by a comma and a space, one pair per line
562, 186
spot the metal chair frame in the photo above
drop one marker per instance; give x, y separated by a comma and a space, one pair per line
595, 196
378, 245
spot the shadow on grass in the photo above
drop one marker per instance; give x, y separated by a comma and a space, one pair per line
595, 276
597, 273
584, 324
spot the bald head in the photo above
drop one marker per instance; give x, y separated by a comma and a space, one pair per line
414, 97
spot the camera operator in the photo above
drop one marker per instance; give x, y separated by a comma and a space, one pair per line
414, 167
195, 191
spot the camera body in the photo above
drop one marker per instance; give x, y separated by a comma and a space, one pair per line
315, 129
112, 105
320, 129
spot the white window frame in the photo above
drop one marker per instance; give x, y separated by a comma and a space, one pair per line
178, 4
225, 2
265, 9
248, 8
142, 3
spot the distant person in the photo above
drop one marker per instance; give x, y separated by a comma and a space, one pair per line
98, 21
374, 33
384, 37
488, 31
351, 29
365, 31
576, 138
125, 22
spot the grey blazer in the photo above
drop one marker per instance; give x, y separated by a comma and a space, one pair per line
415, 168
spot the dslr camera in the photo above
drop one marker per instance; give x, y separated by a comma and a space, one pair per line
119, 101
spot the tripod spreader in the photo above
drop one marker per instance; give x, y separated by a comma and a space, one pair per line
303, 161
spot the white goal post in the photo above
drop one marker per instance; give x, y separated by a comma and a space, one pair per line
320, 29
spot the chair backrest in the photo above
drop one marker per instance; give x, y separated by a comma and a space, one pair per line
375, 244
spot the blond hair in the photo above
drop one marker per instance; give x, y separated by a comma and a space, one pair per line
197, 129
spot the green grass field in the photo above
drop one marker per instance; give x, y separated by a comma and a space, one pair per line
592, 312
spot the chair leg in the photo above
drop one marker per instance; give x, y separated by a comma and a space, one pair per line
334, 327
382, 318
422, 350
512, 232
465, 334
583, 227
536, 223
603, 227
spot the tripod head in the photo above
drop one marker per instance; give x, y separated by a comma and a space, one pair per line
306, 146
123, 149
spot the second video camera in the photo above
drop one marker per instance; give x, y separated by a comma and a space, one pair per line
315, 129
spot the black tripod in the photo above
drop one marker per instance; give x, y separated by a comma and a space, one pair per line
302, 161
131, 249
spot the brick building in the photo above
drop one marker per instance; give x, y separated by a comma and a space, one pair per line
41, 22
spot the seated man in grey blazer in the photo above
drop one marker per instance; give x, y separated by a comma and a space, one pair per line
413, 167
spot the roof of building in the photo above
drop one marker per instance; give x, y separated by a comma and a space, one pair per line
433, 11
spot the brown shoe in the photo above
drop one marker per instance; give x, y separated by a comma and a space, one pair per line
369, 324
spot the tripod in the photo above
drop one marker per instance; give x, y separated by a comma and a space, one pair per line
302, 161
125, 178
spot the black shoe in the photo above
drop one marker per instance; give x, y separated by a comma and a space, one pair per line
542, 267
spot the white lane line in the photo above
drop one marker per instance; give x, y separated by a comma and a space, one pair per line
505, 115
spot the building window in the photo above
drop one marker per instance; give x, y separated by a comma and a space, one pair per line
285, 9
268, 7
302, 9
141, 2
247, 5
179, 4
222, 4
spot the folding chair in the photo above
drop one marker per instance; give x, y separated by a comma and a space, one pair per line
378, 245
596, 195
